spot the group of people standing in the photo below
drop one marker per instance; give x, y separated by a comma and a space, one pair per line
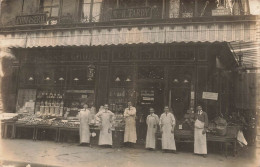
166, 123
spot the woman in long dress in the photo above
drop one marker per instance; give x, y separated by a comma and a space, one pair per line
152, 122
84, 132
106, 118
167, 124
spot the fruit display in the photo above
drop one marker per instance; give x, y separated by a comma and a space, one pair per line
66, 123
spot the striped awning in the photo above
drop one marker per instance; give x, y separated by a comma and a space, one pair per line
100, 36
250, 52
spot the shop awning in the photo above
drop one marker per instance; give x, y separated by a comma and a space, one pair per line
250, 52
100, 36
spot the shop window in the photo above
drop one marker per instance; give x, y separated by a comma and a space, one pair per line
90, 10
50, 7
122, 76
185, 53
205, 7
187, 8
82, 76
151, 72
27, 76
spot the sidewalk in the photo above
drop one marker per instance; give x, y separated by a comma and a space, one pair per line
65, 154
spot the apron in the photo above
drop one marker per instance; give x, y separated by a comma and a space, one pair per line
105, 136
200, 141
152, 122
130, 127
84, 132
168, 141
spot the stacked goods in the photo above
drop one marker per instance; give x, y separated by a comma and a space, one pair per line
119, 122
66, 123
9, 116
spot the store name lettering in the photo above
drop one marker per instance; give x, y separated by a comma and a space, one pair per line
31, 19
84, 57
131, 13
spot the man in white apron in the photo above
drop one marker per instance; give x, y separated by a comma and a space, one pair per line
85, 119
152, 122
130, 126
200, 125
106, 118
167, 124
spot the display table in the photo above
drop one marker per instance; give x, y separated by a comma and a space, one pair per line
46, 127
187, 136
18, 126
5, 125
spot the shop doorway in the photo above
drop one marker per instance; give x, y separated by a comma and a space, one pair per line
149, 94
181, 90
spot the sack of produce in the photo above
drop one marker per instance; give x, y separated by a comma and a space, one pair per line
221, 126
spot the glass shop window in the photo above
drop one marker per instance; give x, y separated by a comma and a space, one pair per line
90, 10
151, 72
187, 8
205, 7
51, 7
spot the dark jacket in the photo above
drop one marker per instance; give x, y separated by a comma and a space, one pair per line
203, 118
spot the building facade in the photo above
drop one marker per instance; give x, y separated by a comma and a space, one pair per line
151, 52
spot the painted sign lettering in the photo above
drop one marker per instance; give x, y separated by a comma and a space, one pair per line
31, 19
131, 13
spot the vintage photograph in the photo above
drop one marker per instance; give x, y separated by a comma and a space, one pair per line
129, 83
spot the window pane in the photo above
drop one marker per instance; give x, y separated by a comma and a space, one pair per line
98, 1
87, 1
96, 11
55, 12
56, 3
47, 3
85, 10
68, 7
48, 11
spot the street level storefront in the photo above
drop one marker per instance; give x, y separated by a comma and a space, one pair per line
53, 83
54, 72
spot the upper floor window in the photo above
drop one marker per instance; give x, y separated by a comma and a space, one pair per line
51, 7
90, 10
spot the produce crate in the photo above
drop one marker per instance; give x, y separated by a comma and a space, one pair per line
232, 131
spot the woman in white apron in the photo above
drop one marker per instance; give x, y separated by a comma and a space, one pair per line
84, 133
152, 122
200, 125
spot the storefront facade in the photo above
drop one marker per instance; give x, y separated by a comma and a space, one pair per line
151, 56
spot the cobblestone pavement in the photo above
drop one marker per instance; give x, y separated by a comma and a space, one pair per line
18, 153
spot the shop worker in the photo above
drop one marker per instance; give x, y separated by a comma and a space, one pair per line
85, 119
167, 124
200, 125
106, 124
130, 126
152, 122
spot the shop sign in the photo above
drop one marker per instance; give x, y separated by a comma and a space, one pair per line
80, 91
210, 95
220, 11
131, 13
31, 19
